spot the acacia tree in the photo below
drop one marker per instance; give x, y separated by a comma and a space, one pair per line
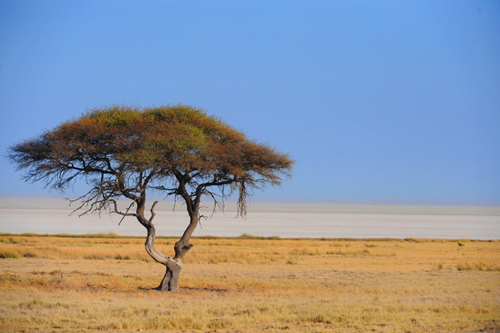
127, 152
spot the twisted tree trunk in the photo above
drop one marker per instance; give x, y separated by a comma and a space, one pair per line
173, 265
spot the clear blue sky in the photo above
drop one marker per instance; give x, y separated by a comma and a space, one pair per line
373, 99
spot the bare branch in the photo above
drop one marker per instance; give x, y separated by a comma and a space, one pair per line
199, 220
126, 212
153, 214
121, 213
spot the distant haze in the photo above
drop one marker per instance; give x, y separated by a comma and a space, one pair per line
288, 220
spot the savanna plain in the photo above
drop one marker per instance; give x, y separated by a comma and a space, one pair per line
106, 282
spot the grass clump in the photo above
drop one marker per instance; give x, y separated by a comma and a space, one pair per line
481, 266
122, 257
247, 236
8, 254
95, 256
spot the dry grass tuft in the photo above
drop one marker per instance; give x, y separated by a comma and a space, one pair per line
481, 266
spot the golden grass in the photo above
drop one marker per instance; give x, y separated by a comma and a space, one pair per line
250, 284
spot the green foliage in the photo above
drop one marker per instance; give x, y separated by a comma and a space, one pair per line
116, 116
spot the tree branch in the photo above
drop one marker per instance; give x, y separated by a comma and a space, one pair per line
153, 214
121, 213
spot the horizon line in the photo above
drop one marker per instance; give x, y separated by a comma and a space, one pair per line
298, 200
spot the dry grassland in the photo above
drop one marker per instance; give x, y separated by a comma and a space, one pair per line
83, 284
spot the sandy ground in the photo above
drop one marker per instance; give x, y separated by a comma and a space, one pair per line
287, 220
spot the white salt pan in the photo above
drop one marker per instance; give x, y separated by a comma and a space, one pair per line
287, 220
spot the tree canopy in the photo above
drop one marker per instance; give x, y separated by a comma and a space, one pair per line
157, 145
127, 151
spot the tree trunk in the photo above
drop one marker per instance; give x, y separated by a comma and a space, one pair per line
173, 265
169, 281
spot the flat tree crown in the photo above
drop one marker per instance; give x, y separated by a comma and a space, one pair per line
163, 142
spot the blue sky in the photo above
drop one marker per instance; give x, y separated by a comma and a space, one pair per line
373, 99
